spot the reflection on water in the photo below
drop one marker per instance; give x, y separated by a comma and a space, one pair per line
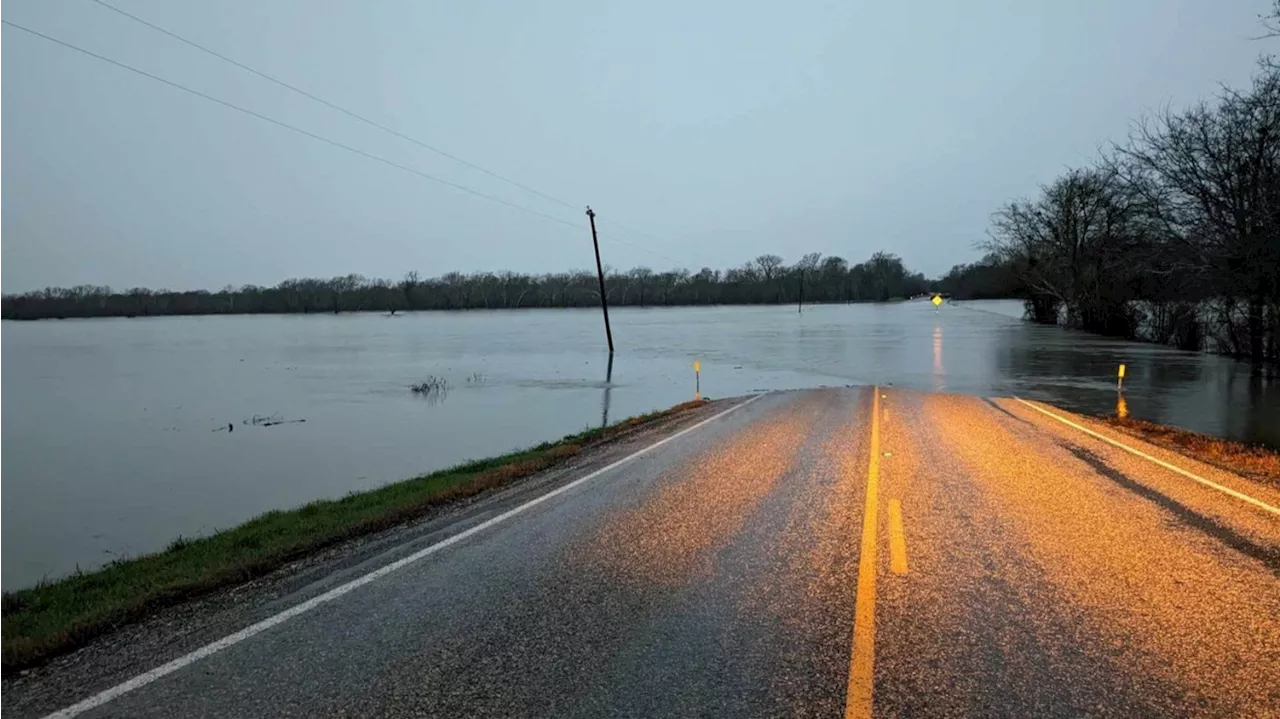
108, 425
608, 390
939, 375
1122, 407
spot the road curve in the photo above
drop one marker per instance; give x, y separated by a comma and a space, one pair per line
1017, 566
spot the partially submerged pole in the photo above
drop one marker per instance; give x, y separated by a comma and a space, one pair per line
604, 302
608, 388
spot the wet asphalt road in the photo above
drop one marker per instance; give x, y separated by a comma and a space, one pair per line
1022, 569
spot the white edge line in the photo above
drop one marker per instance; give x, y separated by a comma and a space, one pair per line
230, 640
1194, 477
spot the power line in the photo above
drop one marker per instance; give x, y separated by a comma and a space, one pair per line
372, 123
287, 126
642, 248
636, 233
339, 108
350, 113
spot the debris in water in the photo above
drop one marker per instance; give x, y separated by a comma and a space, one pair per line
270, 420
433, 389
259, 420
283, 421
431, 384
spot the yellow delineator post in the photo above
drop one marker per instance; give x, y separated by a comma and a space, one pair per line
1120, 380
697, 379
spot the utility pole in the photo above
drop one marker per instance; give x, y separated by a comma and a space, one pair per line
604, 302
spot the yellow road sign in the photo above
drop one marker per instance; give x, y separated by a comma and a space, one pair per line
937, 300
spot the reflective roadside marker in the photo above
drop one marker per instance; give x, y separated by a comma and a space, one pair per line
937, 300
697, 379
1120, 379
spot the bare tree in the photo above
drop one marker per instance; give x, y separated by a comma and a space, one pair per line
1216, 174
769, 269
408, 285
1271, 21
641, 276
1074, 248
806, 266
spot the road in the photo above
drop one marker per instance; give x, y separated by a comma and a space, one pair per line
998, 563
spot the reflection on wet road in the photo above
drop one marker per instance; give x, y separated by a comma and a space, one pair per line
1013, 566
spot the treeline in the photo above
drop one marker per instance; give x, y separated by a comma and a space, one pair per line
764, 280
990, 278
1171, 237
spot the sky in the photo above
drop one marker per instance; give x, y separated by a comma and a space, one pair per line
702, 133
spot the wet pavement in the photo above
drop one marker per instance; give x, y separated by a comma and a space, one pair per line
1021, 568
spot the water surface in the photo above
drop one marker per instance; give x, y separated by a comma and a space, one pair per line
115, 431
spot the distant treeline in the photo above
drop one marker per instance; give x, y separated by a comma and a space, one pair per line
990, 278
764, 280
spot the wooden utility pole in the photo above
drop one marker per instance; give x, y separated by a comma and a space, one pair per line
604, 302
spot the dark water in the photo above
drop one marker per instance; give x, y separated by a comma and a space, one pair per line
115, 431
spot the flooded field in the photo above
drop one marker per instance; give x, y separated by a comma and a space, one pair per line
119, 435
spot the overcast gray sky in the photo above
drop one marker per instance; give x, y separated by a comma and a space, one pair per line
720, 130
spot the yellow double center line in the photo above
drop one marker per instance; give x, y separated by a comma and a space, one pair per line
857, 703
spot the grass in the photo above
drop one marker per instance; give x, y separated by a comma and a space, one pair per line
57, 616
1252, 461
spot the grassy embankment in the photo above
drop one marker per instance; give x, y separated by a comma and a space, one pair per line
1253, 461
57, 616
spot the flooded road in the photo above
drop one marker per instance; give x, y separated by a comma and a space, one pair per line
115, 432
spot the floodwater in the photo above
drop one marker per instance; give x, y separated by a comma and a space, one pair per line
115, 432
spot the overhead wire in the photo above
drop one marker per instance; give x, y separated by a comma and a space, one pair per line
350, 113
335, 106
609, 224
373, 123
642, 248
287, 126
